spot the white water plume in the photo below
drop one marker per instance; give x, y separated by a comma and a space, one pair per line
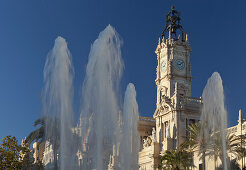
109, 132
130, 137
100, 99
214, 115
58, 102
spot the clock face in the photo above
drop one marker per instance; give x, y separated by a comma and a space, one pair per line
179, 64
163, 66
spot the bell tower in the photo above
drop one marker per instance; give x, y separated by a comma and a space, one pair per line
173, 55
173, 81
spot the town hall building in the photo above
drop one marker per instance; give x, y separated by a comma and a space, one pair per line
176, 109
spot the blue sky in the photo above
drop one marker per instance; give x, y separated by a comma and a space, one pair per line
28, 29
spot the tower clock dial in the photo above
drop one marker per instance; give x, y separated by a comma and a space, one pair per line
179, 64
163, 66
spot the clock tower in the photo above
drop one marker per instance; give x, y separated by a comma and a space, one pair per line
175, 108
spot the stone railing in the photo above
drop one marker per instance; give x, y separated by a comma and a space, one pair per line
150, 119
193, 100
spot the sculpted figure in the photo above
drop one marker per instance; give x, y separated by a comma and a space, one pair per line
147, 142
153, 135
144, 143
168, 130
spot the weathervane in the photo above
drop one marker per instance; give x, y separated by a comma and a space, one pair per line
173, 24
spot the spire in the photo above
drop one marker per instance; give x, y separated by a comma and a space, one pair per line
173, 24
158, 46
163, 39
186, 38
240, 117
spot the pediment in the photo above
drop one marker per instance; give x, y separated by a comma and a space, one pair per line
164, 108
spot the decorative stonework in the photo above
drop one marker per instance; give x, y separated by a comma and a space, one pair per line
147, 142
179, 53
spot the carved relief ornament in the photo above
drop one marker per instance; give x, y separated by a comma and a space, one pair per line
179, 53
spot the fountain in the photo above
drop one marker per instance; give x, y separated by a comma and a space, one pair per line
58, 101
130, 138
214, 116
106, 136
100, 98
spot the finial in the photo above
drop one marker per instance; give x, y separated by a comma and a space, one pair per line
159, 43
170, 35
163, 39
172, 7
186, 37
240, 117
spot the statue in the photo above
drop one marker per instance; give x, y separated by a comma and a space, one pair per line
153, 135
168, 131
147, 142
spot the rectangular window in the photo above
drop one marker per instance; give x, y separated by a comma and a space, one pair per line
200, 167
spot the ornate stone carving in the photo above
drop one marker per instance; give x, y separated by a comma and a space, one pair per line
147, 142
164, 89
179, 53
166, 104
